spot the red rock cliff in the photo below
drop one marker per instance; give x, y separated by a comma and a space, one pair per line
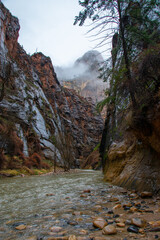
36, 109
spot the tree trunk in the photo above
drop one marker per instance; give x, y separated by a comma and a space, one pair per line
131, 87
2, 91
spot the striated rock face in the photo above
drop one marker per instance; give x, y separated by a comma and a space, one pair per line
38, 117
76, 113
133, 150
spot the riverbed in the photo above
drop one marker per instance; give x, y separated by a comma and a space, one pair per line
65, 206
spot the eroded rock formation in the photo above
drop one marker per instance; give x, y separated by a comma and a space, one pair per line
36, 112
131, 138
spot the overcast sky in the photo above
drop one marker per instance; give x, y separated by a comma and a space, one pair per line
47, 26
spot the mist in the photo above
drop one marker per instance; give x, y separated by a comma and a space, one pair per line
71, 72
83, 76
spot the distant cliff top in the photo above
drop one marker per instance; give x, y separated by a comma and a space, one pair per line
91, 58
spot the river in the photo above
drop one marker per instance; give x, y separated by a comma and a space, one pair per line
69, 201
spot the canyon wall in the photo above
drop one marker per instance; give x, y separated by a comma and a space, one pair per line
130, 145
39, 119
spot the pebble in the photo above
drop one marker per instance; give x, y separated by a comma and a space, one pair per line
120, 224
114, 199
128, 204
133, 229
146, 194
87, 191
72, 237
100, 223
110, 221
83, 232
128, 222
49, 194
138, 222
83, 196
73, 223
155, 223
98, 207
117, 206
109, 230
110, 212
55, 229
133, 209
133, 196
21, 227
119, 220
63, 233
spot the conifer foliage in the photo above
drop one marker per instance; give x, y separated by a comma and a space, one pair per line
133, 27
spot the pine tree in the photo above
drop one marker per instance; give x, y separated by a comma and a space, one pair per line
134, 24
133, 27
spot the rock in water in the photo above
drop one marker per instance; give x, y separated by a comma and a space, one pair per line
133, 229
120, 224
55, 229
138, 222
146, 194
99, 223
72, 237
109, 230
21, 227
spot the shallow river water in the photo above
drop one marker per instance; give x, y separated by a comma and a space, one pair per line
38, 204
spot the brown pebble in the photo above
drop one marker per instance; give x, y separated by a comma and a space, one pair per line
119, 220
72, 237
87, 191
21, 227
83, 196
155, 224
146, 194
49, 194
83, 232
120, 224
127, 204
98, 207
117, 206
133, 195
109, 230
133, 209
99, 222
55, 229
114, 199
138, 222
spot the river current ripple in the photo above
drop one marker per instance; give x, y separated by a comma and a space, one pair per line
41, 201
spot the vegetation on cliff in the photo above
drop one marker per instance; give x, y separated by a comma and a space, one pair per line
41, 123
130, 139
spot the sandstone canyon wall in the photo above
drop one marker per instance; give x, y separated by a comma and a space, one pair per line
130, 144
38, 117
